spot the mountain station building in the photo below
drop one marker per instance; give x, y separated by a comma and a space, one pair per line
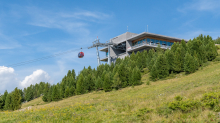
128, 42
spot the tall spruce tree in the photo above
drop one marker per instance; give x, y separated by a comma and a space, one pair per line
55, 94
8, 102
79, 85
177, 63
16, 99
116, 81
107, 85
67, 92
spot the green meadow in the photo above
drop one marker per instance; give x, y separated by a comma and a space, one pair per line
144, 103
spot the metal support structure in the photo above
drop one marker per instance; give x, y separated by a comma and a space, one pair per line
97, 44
97, 50
109, 58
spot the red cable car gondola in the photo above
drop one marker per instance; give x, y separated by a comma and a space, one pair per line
81, 54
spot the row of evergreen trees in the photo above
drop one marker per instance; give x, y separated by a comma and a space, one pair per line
105, 77
217, 41
11, 101
181, 57
125, 72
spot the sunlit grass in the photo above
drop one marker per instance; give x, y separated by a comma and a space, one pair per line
123, 105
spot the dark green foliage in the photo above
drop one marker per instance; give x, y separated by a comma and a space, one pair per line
8, 102
16, 99
1, 103
98, 83
177, 63
143, 111
160, 68
116, 81
79, 85
55, 94
189, 65
184, 106
67, 92
107, 85
217, 41
210, 99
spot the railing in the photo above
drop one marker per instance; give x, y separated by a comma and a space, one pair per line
150, 44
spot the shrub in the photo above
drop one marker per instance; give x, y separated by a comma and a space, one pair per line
210, 99
143, 111
184, 106
178, 98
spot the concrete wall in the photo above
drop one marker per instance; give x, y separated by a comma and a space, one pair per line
123, 37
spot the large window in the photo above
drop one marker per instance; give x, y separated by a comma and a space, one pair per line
152, 41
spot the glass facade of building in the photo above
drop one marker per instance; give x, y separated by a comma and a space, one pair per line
153, 42
106, 54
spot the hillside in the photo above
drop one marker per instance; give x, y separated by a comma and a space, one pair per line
128, 104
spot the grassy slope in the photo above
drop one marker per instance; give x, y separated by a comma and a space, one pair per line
123, 105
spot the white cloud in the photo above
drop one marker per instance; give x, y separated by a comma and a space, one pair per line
36, 77
201, 5
72, 22
8, 80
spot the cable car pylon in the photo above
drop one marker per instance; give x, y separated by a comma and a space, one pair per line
97, 44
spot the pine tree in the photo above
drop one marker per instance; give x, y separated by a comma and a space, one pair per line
8, 102
4, 97
1, 103
122, 75
116, 81
62, 89
67, 92
190, 64
170, 58
16, 99
55, 94
107, 83
45, 92
98, 84
79, 85
49, 95
72, 91
177, 63
154, 73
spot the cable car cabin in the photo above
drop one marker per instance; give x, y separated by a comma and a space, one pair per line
81, 55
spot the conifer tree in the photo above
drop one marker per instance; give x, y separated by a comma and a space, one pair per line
79, 85
154, 73
46, 90
55, 94
67, 92
98, 84
8, 102
116, 81
107, 83
4, 97
62, 90
16, 99
49, 95
72, 91
1, 103
149, 58
188, 64
160, 68
170, 58
122, 74
177, 63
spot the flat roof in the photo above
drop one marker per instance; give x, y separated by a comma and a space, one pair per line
154, 35
104, 49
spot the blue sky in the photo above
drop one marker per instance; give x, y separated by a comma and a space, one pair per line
33, 29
